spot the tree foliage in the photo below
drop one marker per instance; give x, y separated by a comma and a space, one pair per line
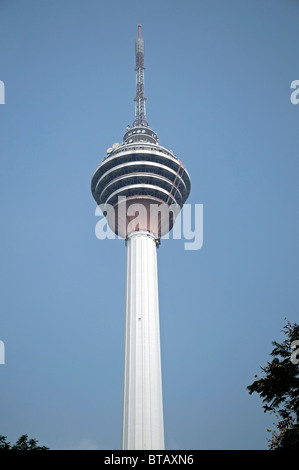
278, 387
23, 443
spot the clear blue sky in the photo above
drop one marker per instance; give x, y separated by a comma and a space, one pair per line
217, 80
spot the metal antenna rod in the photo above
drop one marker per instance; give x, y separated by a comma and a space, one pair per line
140, 115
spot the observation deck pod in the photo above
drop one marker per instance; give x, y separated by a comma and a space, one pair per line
139, 171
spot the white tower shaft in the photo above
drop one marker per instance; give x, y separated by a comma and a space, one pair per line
143, 426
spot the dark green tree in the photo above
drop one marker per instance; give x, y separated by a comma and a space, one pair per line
4, 445
278, 387
23, 443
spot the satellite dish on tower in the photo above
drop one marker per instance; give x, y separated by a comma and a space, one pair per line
109, 150
115, 146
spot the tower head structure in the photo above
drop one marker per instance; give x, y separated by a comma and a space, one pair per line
141, 187
140, 174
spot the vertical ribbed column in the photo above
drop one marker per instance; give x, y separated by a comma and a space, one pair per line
142, 401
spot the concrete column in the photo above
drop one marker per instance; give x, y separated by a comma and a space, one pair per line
143, 426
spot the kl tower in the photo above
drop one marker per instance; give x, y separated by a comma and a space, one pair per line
141, 187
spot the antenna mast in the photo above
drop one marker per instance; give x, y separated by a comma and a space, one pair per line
140, 115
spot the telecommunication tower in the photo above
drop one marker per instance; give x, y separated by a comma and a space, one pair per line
141, 187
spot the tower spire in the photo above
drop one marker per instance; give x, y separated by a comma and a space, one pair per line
140, 115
